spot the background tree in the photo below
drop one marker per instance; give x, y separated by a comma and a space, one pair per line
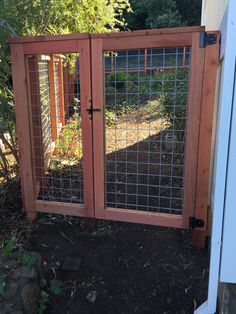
190, 11
163, 13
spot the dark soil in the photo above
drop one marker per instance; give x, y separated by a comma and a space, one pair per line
126, 268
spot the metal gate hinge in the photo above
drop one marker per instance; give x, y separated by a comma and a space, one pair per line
207, 39
196, 223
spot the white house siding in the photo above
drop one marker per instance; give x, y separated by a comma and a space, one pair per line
212, 13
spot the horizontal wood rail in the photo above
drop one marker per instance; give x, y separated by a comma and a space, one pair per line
138, 216
79, 36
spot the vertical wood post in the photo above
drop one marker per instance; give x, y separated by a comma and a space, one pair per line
184, 56
87, 143
205, 140
112, 62
145, 60
98, 125
23, 129
193, 118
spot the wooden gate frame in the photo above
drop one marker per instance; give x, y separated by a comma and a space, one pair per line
21, 47
199, 128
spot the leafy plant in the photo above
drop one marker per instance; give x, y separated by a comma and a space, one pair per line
67, 143
153, 108
125, 106
8, 248
56, 286
43, 302
118, 80
110, 117
163, 13
40, 17
28, 260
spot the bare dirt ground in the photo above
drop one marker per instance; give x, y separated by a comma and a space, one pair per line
125, 268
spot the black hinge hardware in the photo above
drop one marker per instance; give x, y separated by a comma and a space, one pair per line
207, 39
196, 223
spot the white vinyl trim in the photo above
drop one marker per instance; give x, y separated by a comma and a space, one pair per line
221, 154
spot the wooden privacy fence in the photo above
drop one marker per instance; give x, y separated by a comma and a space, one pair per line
131, 142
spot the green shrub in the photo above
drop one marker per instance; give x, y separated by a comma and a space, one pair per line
118, 80
110, 117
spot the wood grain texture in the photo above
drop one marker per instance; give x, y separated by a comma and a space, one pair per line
59, 208
45, 38
193, 123
149, 32
79, 36
205, 135
87, 144
136, 216
52, 47
23, 127
98, 126
142, 42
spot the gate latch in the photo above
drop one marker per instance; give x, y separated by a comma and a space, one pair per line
196, 223
91, 110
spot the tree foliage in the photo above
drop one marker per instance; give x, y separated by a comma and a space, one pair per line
37, 17
163, 13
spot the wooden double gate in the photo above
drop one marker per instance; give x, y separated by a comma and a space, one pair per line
117, 126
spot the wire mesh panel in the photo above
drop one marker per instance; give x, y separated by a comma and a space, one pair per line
53, 83
146, 97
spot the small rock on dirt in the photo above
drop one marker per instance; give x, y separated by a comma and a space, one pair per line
92, 296
71, 263
10, 290
30, 295
24, 272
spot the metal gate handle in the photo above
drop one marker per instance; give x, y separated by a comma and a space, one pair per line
91, 110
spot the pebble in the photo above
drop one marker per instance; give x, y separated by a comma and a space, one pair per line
22, 291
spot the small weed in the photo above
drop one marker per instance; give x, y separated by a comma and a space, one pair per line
8, 248
67, 143
28, 260
56, 286
153, 108
118, 79
110, 117
43, 302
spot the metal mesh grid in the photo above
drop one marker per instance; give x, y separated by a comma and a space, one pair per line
45, 104
146, 93
56, 127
